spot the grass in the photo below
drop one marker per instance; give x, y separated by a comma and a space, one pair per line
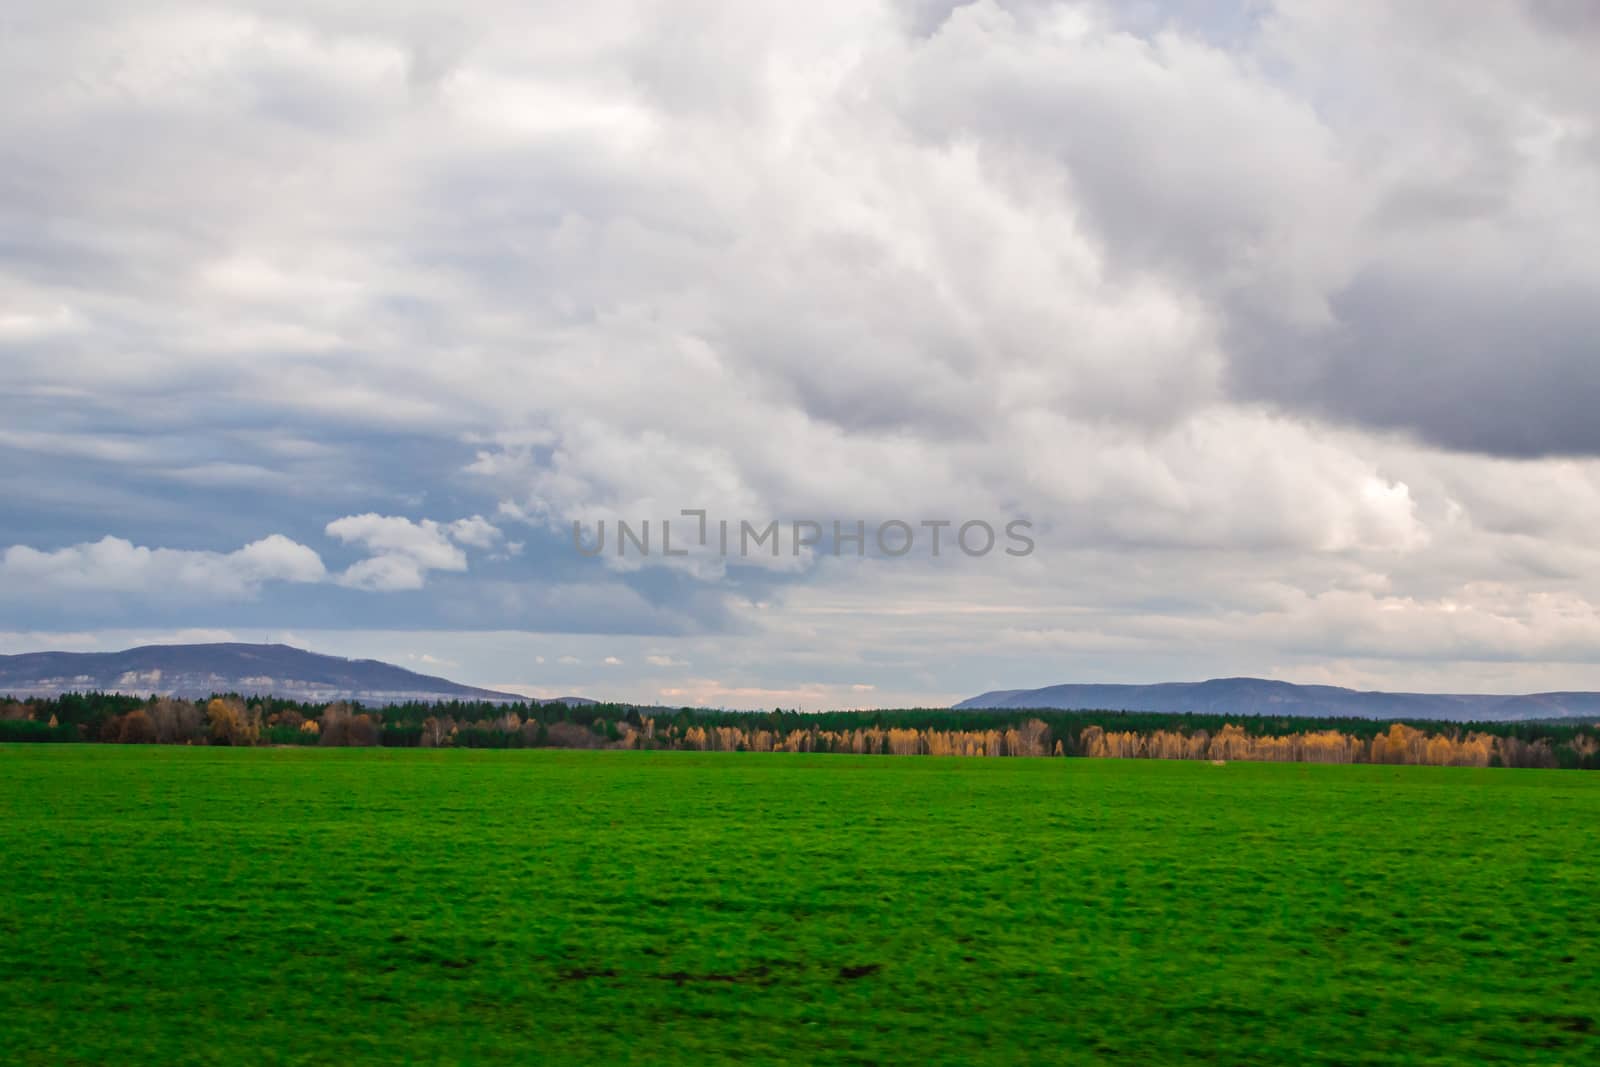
176, 906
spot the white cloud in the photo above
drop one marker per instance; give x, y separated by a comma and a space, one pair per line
475, 532
229, 475
404, 551
113, 565
385, 574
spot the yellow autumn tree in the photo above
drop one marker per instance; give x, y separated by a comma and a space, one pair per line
231, 723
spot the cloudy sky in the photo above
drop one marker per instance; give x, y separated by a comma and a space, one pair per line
1279, 322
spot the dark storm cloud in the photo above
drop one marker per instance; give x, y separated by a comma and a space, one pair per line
1503, 365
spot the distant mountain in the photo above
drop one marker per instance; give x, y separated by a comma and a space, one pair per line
1259, 696
199, 670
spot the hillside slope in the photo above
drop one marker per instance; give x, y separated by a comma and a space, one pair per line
1260, 696
198, 670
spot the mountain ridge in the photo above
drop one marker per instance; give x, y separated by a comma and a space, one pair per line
198, 670
1265, 696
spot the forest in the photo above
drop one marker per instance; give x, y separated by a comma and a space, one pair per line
232, 719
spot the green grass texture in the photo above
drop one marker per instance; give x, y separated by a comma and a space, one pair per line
281, 906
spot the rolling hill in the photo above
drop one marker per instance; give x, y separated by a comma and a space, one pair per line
1260, 696
192, 671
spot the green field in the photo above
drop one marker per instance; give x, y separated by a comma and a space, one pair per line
206, 905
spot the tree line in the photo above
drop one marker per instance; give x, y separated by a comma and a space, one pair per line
232, 719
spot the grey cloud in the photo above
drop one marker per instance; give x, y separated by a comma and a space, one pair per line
1507, 365
1328, 241
1230, 297
1569, 16
1219, 173
923, 18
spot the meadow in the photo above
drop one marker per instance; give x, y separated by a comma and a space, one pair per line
198, 905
